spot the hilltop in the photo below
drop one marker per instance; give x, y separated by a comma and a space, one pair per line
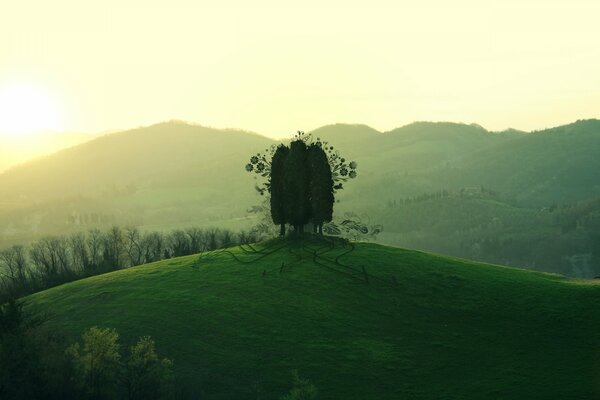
416, 325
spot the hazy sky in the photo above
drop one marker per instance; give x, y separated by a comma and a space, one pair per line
275, 67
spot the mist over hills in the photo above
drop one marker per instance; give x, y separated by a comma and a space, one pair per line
15, 150
483, 187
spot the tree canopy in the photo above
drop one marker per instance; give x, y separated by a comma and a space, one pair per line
302, 180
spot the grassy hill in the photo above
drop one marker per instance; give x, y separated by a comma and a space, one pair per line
417, 326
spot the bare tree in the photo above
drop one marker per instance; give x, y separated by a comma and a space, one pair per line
179, 243
226, 238
58, 259
79, 252
94, 241
196, 240
15, 262
113, 248
212, 235
153, 244
51, 256
133, 246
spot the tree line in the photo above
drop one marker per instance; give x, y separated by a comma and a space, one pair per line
54, 260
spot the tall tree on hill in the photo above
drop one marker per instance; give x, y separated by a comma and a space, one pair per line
301, 180
277, 187
321, 187
296, 185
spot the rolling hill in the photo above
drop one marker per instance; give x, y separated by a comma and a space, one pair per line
175, 175
164, 175
409, 325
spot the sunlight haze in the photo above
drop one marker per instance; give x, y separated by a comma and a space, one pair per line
274, 68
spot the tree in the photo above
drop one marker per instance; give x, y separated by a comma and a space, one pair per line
301, 180
94, 243
98, 362
153, 244
33, 364
51, 256
296, 186
321, 187
146, 376
133, 245
179, 243
79, 252
15, 263
196, 242
113, 248
277, 187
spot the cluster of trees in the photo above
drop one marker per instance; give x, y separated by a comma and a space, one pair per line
55, 260
302, 179
36, 363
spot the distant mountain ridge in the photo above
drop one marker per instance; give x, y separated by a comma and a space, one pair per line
444, 152
15, 151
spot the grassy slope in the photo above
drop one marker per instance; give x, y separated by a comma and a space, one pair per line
449, 329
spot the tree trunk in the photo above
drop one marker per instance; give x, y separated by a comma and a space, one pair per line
321, 228
282, 230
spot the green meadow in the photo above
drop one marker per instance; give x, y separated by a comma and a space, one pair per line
360, 320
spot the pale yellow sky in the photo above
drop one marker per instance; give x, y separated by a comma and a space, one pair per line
274, 66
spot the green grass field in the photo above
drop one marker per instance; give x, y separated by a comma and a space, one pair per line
422, 327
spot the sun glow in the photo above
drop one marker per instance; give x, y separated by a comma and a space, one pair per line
27, 109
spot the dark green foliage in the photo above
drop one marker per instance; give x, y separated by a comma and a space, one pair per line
33, 364
321, 187
296, 183
19, 357
100, 373
146, 376
302, 181
97, 363
277, 188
